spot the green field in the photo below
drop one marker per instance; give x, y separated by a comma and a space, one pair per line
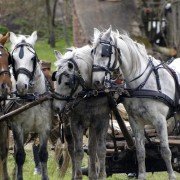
54, 173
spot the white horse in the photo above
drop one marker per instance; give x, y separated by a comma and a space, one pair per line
73, 76
113, 51
29, 79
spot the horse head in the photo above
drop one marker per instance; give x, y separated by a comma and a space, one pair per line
104, 53
5, 78
73, 75
24, 60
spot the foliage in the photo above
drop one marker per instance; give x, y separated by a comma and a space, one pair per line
32, 17
3, 29
45, 52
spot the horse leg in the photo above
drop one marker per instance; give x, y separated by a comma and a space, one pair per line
92, 149
101, 148
4, 144
138, 130
70, 146
77, 132
43, 154
161, 128
19, 152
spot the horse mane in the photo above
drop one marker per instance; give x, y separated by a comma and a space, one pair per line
83, 53
136, 50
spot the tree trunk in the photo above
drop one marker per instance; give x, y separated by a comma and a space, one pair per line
50, 24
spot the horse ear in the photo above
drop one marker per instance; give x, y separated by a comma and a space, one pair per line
4, 38
58, 55
117, 31
32, 39
13, 38
107, 34
96, 33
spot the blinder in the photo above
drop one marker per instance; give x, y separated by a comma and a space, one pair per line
106, 50
53, 78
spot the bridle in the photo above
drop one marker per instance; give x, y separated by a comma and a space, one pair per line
5, 71
29, 74
75, 80
110, 68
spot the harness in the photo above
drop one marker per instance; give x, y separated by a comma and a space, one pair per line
25, 71
139, 92
74, 81
107, 52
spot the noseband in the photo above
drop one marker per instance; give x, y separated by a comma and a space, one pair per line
74, 81
25, 71
107, 52
5, 71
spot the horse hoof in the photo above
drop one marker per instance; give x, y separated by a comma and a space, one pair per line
172, 177
141, 177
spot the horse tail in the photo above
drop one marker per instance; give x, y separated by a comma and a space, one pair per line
62, 157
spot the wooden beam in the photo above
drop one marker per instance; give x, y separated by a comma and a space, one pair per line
23, 108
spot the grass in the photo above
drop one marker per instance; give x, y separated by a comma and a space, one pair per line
45, 52
54, 174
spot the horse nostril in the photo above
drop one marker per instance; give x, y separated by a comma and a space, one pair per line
57, 109
25, 86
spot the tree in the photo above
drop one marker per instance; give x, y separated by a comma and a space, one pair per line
50, 21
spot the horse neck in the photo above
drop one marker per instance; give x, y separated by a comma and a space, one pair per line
133, 62
39, 81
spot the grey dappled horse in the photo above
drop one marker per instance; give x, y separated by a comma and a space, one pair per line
118, 52
29, 79
72, 77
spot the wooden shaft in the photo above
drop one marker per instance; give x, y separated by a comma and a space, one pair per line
23, 108
127, 136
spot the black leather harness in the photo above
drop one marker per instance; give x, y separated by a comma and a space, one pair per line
139, 92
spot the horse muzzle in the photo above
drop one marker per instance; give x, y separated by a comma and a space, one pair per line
22, 88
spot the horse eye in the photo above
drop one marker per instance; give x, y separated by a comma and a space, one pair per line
70, 65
